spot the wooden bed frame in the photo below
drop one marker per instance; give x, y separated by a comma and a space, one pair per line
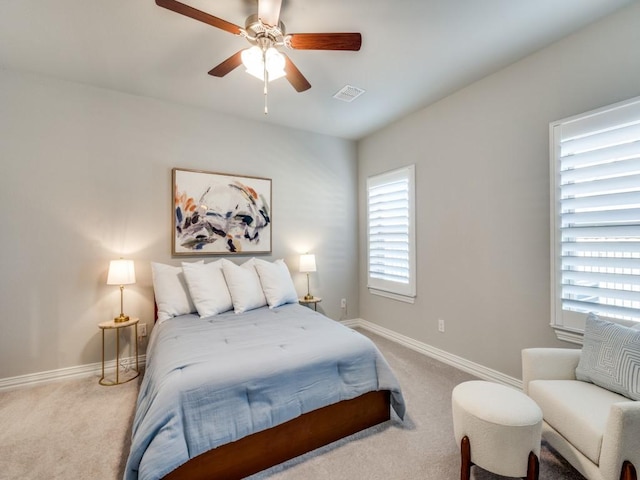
265, 449
262, 450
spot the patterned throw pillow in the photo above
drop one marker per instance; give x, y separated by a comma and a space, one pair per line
610, 357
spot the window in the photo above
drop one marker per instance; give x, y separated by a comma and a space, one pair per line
391, 234
595, 195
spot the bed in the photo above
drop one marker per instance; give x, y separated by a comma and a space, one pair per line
231, 395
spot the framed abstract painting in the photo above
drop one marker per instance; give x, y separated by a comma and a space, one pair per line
220, 214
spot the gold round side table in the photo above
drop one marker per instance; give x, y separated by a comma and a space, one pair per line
310, 301
112, 325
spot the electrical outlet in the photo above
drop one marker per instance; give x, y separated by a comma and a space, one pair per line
343, 303
142, 329
441, 325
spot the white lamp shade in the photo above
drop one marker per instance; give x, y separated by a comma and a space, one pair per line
307, 263
121, 272
253, 60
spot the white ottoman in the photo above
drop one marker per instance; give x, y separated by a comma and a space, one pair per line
498, 428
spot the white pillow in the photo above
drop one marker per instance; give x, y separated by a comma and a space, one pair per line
208, 288
276, 282
171, 291
610, 357
244, 285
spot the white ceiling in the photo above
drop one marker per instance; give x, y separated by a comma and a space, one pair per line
414, 52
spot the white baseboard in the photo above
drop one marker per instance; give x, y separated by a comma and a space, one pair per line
66, 373
463, 364
352, 323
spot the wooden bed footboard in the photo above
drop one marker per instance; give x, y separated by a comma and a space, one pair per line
265, 449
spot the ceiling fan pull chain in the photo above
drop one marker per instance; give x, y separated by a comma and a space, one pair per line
266, 78
266, 110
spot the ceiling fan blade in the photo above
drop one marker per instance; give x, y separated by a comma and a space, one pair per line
296, 79
196, 14
269, 11
234, 61
325, 41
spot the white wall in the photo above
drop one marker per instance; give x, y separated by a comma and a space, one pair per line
86, 178
482, 181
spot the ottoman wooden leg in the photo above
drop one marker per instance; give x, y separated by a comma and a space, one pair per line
628, 471
533, 468
465, 450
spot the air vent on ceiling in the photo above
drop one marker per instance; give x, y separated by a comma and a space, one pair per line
348, 93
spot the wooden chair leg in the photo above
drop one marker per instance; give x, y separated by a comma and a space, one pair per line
628, 471
533, 467
465, 450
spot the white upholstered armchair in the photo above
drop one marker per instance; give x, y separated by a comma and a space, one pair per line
595, 429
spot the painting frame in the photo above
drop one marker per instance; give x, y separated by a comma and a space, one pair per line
217, 213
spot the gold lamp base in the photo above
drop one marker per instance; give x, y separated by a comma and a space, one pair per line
121, 318
308, 296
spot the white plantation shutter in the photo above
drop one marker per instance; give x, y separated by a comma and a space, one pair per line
597, 210
391, 244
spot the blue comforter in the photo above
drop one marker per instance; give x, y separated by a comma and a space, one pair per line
213, 381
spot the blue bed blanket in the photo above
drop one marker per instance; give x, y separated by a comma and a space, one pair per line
212, 381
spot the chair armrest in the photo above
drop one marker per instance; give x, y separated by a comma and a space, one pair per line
621, 439
548, 364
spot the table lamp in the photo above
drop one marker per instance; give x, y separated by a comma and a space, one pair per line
121, 272
308, 264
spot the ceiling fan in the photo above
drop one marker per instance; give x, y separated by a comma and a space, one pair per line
266, 33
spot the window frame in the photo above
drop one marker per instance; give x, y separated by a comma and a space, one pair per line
569, 325
389, 289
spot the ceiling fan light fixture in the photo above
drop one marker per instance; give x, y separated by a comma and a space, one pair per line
275, 61
254, 59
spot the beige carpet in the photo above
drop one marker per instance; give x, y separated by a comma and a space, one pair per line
80, 430
66, 430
